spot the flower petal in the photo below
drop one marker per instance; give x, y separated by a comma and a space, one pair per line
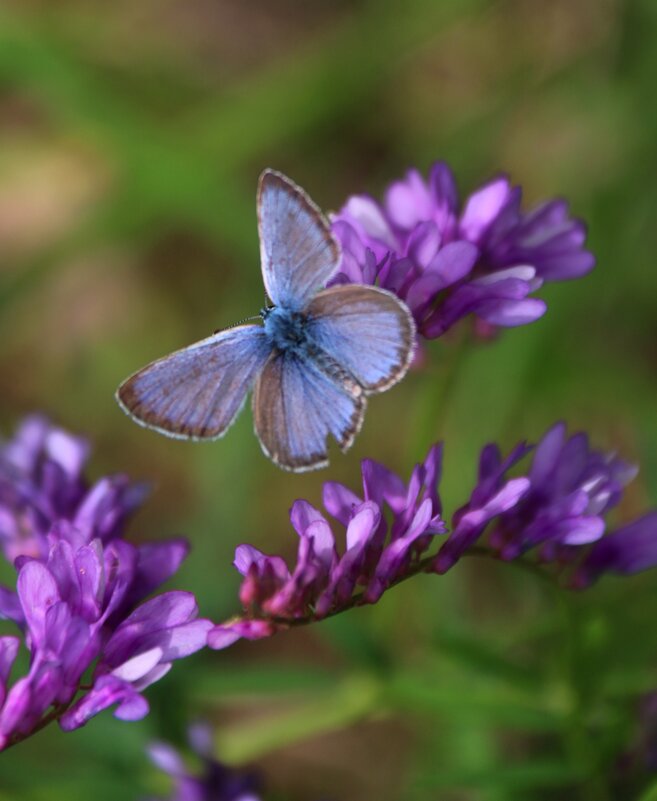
37, 591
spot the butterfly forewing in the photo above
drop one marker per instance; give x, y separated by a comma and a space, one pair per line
297, 403
369, 332
297, 250
196, 392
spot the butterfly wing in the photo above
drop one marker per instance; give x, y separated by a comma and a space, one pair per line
196, 392
297, 402
298, 252
366, 330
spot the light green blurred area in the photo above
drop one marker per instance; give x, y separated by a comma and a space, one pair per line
131, 138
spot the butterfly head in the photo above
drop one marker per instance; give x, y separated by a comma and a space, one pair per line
285, 328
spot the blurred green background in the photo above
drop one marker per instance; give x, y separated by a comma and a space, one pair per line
131, 138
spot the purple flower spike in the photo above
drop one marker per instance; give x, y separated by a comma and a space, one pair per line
387, 532
214, 782
553, 512
446, 263
78, 590
558, 508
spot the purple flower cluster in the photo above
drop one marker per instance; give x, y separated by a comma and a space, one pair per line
214, 782
42, 481
556, 509
446, 261
80, 589
377, 553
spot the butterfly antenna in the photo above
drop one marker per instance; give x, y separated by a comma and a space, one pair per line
235, 325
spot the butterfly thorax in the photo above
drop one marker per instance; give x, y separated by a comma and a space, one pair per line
286, 329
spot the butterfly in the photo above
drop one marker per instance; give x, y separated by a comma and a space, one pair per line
311, 364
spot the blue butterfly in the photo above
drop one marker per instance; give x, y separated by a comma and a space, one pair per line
311, 364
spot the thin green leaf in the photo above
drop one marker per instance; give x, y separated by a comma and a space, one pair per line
650, 794
353, 700
490, 705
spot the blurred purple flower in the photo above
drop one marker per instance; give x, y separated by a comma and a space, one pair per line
214, 782
77, 592
558, 507
42, 481
630, 549
323, 582
447, 262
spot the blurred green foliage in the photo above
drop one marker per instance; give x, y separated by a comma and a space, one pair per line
131, 137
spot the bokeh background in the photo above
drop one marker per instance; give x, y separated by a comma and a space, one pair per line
131, 138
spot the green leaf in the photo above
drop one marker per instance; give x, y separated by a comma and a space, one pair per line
650, 794
353, 700
487, 705
484, 657
530, 775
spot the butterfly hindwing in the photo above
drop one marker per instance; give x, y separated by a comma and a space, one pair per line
297, 402
196, 392
366, 330
299, 254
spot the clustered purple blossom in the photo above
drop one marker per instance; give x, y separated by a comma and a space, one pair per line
42, 481
446, 261
556, 509
214, 781
80, 589
377, 553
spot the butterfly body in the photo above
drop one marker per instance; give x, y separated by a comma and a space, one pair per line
311, 364
286, 329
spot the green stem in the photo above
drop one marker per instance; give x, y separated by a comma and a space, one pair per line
432, 406
577, 736
46, 720
354, 699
